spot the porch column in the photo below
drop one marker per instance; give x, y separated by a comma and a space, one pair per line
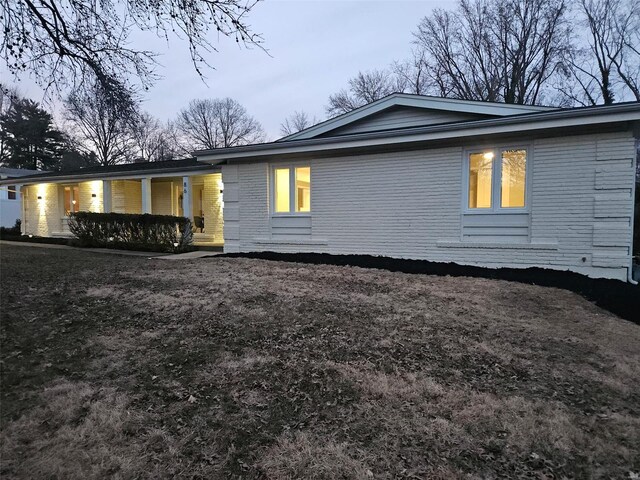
186, 197
23, 217
146, 194
106, 196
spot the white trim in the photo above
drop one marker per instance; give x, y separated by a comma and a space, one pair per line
415, 101
496, 180
418, 135
80, 178
292, 189
497, 245
289, 241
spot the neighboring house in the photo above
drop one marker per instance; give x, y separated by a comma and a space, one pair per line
10, 204
176, 187
416, 177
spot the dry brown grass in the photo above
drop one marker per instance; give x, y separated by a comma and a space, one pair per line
126, 367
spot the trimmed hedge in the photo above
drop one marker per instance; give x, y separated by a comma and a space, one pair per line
154, 233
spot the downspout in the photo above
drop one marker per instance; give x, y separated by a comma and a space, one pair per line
633, 203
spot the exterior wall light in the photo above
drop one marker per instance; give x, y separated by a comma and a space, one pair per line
39, 197
93, 195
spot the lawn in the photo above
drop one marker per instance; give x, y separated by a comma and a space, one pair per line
129, 367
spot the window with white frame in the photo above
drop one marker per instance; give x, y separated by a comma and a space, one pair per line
291, 190
497, 179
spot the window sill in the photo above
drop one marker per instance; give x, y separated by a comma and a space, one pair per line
291, 215
498, 245
504, 211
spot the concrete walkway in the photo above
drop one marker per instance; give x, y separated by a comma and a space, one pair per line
189, 255
131, 253
163, 256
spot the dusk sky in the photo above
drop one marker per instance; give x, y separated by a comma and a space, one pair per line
314, 48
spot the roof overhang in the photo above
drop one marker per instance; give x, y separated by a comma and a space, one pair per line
491, 109
581, 118
131, 175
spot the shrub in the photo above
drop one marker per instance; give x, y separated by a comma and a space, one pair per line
156, 233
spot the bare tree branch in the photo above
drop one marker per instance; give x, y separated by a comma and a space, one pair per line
75, 43
218, 123
296, 122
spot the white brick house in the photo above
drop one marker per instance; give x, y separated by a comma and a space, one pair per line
418, 177
179, 187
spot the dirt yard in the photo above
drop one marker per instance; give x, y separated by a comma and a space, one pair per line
128, 367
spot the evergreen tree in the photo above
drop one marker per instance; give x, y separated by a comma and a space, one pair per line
30, 136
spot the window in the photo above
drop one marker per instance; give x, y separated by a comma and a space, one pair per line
11, 194
514, 165
288, 180
497, 179
71, 200
303, 189
480, 172
283, 203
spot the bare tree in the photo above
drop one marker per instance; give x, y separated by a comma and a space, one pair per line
495, 50
627, 27
296, 122
411, 75
97, 126
71, 43
218, 123
154, 142
605, 63
365, 87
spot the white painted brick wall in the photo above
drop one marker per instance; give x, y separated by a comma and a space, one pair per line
41, 217
408, 205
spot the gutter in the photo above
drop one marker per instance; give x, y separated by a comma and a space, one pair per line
43, 178
554, 119
633, 216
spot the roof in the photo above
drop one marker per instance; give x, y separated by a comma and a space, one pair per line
123, 170
17, 172
530, 122
415, 101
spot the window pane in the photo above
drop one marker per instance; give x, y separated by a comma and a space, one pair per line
71, 200
282, 189
11, 192
480, 170
67, 200
75, 201
514, 163
303, 189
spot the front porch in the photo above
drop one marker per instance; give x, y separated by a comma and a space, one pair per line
47, 207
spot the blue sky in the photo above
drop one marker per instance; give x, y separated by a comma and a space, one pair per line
314, 47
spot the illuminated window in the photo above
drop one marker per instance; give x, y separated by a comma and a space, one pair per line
480, 174
282, 190
292, 190
303, 189
497, 179
71, 200
514, 163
